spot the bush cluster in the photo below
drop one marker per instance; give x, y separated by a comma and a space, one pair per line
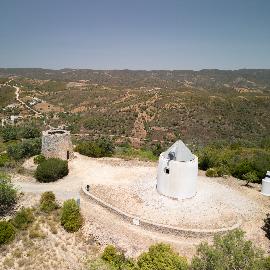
24, 149
8, 194
239, 160
27, 132
9, 133
71, 218
230, 251
99, 148
51, 170
7, 232
47, 202
23, 218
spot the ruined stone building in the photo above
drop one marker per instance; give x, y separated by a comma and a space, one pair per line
56, 143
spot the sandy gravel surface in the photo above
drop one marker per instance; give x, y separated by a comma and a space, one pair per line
215, 206
131, 185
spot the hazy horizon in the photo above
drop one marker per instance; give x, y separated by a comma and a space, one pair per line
130, 69
135, 35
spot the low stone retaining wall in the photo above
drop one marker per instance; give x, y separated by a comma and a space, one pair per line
147, 224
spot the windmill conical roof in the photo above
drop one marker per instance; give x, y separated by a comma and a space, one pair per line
181, 152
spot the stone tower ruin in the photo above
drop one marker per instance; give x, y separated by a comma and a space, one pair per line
56, 143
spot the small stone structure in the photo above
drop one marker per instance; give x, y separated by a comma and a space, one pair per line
177, 172
56, 143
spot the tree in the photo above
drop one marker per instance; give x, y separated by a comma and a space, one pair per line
230, 251
8, 194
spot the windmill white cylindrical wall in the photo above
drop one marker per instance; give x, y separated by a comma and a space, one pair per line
177, 172
266, 184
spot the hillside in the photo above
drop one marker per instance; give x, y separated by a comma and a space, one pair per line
196, 106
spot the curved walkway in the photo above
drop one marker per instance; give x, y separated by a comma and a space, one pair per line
157, 226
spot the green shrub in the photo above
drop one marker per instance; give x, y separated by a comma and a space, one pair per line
212, 172
28, 132
8, 194
222, 170
241, 160
47, 202
23, 218
7, 232
117, 259
4, 159
26, 148
100, 148
99, 264
157, 149
9, 133
38, 159
266, 226
71, 218
230, 251
131, 153
51, 170
251, 177
161, 257
265, 143
241, 169
207, 158
113, 257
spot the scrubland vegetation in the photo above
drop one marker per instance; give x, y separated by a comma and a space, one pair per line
242, 159
197, 107
98, 148
231, 251
222, 115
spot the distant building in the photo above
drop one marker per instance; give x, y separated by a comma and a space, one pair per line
12, 120
177, 172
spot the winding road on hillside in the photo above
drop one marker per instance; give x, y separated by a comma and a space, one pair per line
17, 94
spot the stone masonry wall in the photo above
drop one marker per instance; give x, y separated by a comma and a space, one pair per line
57, 144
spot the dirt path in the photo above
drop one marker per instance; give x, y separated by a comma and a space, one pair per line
17, 93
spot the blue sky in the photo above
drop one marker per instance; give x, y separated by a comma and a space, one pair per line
135, 34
